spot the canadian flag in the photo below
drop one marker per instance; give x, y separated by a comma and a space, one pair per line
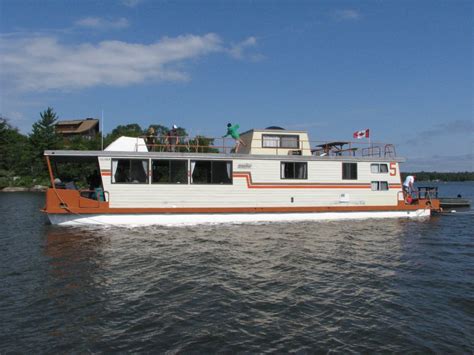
361, 134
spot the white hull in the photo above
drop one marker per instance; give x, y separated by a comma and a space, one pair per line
193, 219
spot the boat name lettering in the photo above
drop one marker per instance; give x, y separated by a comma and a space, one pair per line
244, 166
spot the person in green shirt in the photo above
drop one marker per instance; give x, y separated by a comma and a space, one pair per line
232, 131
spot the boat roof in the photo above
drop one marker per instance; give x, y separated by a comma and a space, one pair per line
275, 130
72, 155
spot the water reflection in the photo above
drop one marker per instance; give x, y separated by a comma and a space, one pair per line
352, 286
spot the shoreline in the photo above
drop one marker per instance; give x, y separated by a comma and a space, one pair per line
36, 188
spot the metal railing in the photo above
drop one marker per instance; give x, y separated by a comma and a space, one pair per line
202, 144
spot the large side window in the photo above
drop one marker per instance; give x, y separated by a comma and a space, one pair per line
379, 168
379, 185
280, 141
211, 172
293, 170
349, 171
130, 171
270, 141
169, 171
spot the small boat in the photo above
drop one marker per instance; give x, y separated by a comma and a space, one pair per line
278, 175
444, 202
454, 202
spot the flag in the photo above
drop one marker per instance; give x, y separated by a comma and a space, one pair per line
361, 134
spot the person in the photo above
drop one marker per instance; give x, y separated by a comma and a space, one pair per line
172, 139
59, 184
232, 131
94, 180
408, 187
150, 139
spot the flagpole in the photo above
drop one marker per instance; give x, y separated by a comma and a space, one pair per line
102, 131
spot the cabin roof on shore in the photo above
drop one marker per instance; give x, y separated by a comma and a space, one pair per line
80, 125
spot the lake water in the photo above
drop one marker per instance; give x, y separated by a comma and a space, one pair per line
391, 285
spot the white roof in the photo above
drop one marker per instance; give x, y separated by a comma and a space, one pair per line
127, 144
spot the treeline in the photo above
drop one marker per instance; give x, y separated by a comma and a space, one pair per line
436, 176
21, 156
22, 162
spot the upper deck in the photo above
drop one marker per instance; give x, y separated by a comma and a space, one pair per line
269, 143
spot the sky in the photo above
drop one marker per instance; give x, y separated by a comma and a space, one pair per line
403, 69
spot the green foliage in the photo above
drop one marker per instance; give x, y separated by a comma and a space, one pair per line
43, 137
43, 134
435, 176
130, 130
201, 144
15, 152
83, 143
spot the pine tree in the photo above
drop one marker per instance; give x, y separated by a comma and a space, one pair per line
44, 137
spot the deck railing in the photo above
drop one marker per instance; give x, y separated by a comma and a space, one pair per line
201, 144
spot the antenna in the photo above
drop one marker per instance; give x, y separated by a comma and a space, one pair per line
102, 131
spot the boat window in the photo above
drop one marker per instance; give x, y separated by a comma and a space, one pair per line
349, 171
379, 185
280, 141
131, 171
379, 168
292, 170
211, 172
169, 171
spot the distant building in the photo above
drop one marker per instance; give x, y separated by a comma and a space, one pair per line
87, 128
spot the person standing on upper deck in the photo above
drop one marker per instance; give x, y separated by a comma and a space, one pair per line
232, 131
172, 139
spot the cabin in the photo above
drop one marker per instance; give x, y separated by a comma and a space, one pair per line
87, 128
275, 141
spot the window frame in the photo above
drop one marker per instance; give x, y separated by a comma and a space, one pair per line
305, 163
112, 175
356, 171
379, 165
280, 136
379, 185
186, 161
191, 180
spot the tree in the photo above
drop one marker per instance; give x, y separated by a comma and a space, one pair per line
15, 155
43, 134
130, 130
44, 137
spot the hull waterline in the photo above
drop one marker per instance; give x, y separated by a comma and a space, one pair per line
194, 219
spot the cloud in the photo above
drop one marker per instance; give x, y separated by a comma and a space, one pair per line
99, 23
131, 3
347, 15
457, 127
43, 63
237, 51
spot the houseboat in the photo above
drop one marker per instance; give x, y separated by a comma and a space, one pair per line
277, 175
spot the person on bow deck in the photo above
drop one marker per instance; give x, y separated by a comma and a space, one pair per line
408, 187
232, 131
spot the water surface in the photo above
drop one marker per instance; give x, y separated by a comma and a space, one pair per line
392, 285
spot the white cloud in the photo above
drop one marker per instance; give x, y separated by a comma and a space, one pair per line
347, 15
100, 23
43, 63
239, 50
131, 3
